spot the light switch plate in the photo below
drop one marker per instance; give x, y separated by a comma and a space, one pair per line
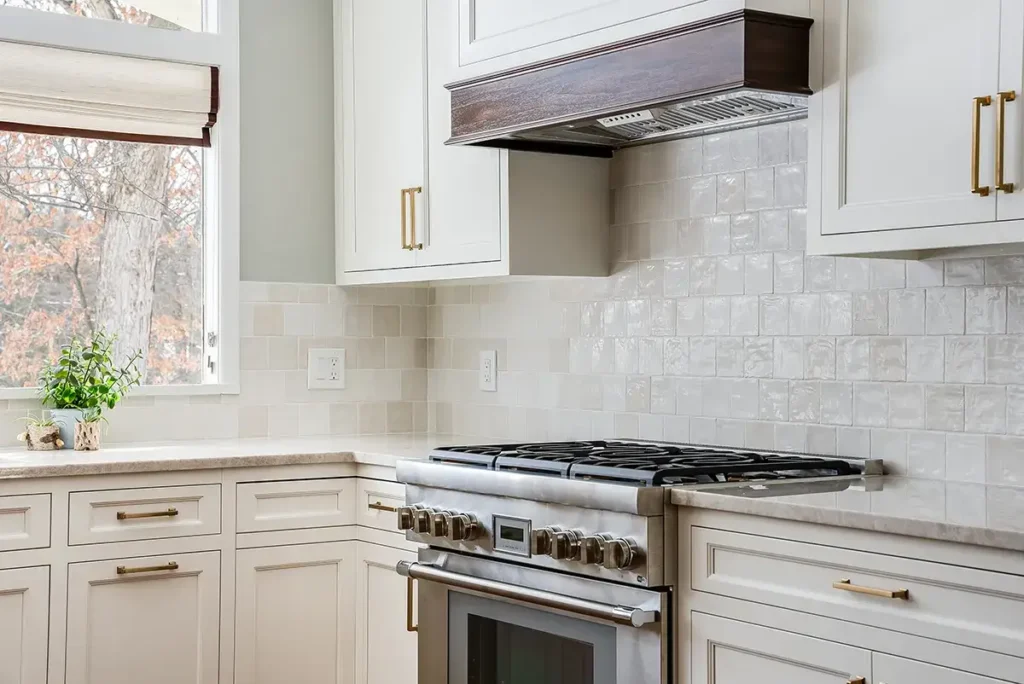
326, 369
489, 371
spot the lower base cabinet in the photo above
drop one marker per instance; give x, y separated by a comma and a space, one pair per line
727, 651
293, 614
154, 620
24, 601
385, 647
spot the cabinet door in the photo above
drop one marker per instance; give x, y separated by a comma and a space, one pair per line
385, 649
889, 669
293, 614
380, 59
494, 28
24, 603
729, 652
138, 620
1010, 205
899, 83
463, 193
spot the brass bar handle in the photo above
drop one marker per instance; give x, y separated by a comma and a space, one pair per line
976, 187
410, 583
857, 680
412, 221
845, 585
1002, 98
169, 513
124, 570
405, 241
378, 506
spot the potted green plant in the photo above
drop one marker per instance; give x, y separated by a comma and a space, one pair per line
85, 378
87, 430
41, 434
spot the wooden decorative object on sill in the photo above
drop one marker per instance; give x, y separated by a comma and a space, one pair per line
42, 438
87, 436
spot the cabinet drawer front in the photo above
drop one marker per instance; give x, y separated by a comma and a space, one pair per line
951, 603
295, 504
377, 503
151, 619
120, 515
24, 522
889, 669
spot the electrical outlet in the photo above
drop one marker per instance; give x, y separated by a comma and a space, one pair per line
489, 371
326, 369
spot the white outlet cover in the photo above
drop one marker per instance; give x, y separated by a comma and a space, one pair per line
325, 369
489, 371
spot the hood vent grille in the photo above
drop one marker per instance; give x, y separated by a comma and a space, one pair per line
738, 70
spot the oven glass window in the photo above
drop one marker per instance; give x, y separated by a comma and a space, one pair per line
503, 653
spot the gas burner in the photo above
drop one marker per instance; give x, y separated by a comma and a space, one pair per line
644, 464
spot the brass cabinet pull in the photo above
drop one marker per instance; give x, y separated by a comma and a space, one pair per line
409, 626
976, 187
378, 506
845, 585
405, 240
856, 680
1002, 98
409, 219
124, 570
169, 513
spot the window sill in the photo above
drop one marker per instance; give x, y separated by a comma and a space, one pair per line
22, 393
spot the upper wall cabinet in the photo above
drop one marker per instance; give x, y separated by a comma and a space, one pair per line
411, 208
916, 127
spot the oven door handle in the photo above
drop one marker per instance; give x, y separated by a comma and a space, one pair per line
620, 615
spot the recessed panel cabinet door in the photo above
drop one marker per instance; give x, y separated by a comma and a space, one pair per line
889, 669
1010, 100
24, 607
293, 614
382, 70
897, 108
726, 651
157, 620
385, 649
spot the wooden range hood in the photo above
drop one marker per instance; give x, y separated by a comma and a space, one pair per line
731, 71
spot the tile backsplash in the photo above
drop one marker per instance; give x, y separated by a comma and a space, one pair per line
717, 328
383, 333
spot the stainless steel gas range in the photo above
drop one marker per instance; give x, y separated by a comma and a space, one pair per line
554, 563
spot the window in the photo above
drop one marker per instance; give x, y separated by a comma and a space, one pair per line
119, 186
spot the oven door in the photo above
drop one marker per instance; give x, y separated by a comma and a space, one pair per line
483, 621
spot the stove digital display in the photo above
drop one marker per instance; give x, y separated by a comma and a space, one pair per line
512, 535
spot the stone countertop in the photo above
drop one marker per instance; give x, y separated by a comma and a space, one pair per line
383, 450
984, 515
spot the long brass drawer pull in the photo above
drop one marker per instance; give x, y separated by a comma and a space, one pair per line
405, 240
1002, 98
409, 626
124, 570
976, 187
169, 513
378, 506
845, 585
856, 680
412, 192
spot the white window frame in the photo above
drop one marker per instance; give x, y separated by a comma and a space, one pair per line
217, 46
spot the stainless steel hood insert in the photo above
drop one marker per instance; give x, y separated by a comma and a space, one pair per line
732, 71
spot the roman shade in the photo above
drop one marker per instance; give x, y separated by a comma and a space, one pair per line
55, 91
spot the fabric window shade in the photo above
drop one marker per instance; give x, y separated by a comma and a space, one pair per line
55, 91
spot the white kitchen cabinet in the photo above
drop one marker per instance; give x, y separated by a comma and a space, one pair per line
385, 648
477, 211
901, 91
731, 652
293, 615
24, 600
154, 619
887, 669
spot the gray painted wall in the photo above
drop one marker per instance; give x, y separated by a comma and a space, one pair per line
287, 129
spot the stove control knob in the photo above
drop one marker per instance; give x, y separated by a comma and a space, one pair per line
566, 545
592, 549
439, 523
542, 540
422, 518
621, 554
406, 517
462, 527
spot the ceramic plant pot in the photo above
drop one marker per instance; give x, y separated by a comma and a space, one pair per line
43, 438
66, 419
87, 436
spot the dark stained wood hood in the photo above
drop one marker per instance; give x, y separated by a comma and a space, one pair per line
725, 72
